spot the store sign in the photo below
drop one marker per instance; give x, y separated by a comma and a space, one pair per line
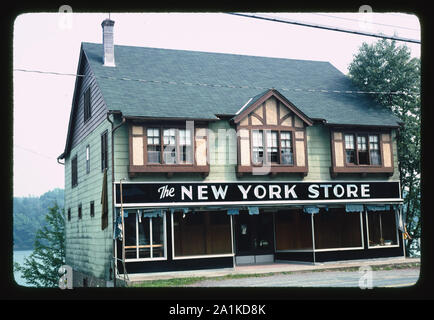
243, 193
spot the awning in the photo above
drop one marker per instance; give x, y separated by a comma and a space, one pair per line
378, 207
183, 210
311, 209
233, 211
354, 208
152, 213
253, 210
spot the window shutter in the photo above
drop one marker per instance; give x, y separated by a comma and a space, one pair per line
386, 143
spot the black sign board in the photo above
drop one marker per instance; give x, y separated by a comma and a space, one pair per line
247, 193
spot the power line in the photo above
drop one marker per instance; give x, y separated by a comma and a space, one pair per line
376, 23
318, 26
231, 86
34, 152
51, 72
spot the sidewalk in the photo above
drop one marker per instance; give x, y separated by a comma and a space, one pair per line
276, 267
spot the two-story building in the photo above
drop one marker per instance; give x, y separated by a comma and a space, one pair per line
183, 160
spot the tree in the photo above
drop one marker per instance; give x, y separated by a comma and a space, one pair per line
40, 269
388, 69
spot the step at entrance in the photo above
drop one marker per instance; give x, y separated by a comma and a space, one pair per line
254, 259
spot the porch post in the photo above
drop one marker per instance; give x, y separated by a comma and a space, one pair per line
313, 237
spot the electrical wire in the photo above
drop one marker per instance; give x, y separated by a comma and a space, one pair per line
35, 152
330, 28
376, 23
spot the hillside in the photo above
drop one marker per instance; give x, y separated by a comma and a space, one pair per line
28, 216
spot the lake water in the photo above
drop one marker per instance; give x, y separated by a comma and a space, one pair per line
19, 256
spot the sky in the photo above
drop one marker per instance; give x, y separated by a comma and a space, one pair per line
51, 42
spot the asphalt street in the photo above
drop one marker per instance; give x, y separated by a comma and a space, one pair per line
363, 278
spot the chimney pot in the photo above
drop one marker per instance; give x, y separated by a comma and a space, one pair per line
108, 43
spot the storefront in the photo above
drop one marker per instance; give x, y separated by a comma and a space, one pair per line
179, 226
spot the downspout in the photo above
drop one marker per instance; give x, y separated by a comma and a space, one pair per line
114, 128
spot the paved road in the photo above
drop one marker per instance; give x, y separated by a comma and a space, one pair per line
381, 278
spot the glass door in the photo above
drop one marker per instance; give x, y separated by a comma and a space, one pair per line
254, 234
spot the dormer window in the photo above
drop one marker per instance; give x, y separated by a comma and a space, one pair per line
286, 148
278, 147
154, 147
361, 151
158, 148
364, 152
272, 135
257, 146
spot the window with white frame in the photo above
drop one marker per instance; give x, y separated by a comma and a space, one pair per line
362, 149
382, 230
154, 146
185, 145
169, 150
145, 237
258, 146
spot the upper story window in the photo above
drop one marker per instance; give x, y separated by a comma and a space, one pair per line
87, 159
278, 150
104, 151
74, 173
161, 148
286, 148
87, 112
361, 151
154, 145
170, 154
176, 147
272, 135
365, 152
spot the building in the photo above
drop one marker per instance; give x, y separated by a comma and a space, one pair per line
180, 160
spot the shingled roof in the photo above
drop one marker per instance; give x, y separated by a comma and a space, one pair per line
166, 83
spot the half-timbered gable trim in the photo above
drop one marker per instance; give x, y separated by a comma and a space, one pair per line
272, 135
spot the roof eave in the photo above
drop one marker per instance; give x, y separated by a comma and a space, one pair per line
147, 118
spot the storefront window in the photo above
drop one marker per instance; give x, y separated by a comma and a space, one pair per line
202, 233
293, 230
337, 228
144, 236
382, 228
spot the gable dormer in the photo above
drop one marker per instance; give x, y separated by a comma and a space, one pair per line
271, 135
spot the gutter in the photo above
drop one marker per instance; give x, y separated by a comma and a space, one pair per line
114, 128
62, 156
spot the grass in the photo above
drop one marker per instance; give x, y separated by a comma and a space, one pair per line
182, 282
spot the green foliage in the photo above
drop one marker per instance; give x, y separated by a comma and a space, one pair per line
386, 67
28, 216
40, 269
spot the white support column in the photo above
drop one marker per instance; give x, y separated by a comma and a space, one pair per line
313, 237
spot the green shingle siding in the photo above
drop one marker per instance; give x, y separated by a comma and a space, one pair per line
88, 249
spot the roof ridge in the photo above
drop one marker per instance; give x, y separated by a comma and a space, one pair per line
214, 53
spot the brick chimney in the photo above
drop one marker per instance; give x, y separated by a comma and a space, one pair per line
108, 42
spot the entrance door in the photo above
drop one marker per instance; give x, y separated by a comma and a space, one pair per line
254, 238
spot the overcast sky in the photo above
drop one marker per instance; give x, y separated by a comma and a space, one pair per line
51, 42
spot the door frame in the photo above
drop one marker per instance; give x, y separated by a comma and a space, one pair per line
253, 256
